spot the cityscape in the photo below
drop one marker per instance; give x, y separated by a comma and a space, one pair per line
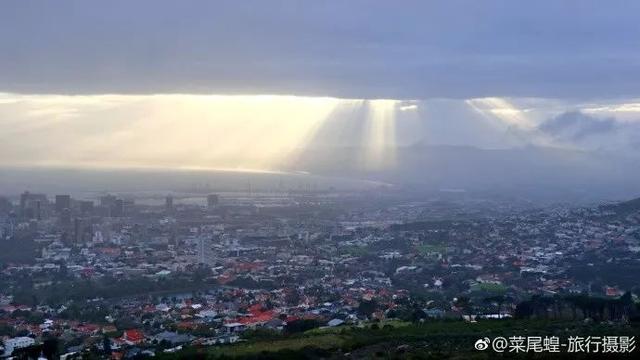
136, 275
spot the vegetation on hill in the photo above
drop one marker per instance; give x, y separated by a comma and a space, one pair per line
429, 340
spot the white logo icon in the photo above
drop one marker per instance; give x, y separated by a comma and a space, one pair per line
482, 344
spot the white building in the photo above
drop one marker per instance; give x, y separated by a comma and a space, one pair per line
17, 343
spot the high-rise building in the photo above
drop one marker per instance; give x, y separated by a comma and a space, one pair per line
212, 200
62, 202
5, 205
168, 204
32, 206
77, 230
117, 209
205, 252
38, 210
82, 230
65, 219
86, 207
107, 200
24, 197
128, 206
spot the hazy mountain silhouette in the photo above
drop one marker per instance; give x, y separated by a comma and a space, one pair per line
527, 170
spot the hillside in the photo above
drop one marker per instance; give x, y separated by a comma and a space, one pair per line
431, 340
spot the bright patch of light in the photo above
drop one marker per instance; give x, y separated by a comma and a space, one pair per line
380, 137
408, 107
503, 110
616, 108
173, 130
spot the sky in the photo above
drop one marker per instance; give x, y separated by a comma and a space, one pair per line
247, 84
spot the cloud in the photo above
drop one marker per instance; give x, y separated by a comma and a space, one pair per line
349, 49
577, 126
577, 129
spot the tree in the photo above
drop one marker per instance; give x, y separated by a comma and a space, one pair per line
301, 325
106, 345
418, 314
292, 297
50, 348
524, 310
367, 307
498, 299
464, 303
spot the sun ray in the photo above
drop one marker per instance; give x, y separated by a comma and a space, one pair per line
380, 137
503, 110
169, 130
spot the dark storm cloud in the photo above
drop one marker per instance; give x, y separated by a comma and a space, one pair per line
575, 125
357, 48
